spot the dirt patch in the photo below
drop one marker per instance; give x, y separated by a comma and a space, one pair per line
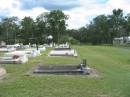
2, 72
104, 96
93, 73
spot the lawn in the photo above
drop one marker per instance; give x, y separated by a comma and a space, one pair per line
1, 54
112, 64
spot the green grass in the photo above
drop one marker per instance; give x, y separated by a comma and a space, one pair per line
113, 65
1, 54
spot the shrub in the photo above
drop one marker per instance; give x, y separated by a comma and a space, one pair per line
70, 40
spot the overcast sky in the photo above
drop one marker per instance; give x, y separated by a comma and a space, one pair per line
80, 12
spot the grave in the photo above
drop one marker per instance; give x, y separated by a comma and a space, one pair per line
13, 58
63, 50
63, 69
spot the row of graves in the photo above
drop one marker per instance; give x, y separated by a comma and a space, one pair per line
69, 69
21, 53
18, 53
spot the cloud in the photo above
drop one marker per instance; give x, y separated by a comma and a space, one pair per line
7, 6
32, 13
49, 5
89, 9
13, 8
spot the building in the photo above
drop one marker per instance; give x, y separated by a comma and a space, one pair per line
121, 40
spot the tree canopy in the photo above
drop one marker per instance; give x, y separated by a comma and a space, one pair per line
101, 30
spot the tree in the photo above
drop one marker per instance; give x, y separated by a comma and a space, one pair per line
102, 27
82, 34
127, 25
27, 30
101, 30
0, 32
41, 28
116, 22
9, 26
56, 22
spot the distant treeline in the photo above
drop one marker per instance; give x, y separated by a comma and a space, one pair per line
101, 30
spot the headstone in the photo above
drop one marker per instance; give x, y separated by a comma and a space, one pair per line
3, 43
84, 62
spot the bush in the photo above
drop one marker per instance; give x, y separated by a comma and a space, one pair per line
73, 41
70, 40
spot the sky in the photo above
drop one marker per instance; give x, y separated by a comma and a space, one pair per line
80, 12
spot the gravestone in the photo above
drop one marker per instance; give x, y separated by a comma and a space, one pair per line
2, 44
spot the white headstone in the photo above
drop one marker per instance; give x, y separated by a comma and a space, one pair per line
3, 43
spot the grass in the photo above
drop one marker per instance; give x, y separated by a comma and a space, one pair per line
1, 53
113, 65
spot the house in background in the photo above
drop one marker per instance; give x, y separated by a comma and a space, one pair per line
121, 40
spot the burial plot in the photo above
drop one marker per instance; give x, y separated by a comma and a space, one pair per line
13, 58
63, 50
62, 69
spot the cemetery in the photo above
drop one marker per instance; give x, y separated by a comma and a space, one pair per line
50, 55
61, 68
55, 74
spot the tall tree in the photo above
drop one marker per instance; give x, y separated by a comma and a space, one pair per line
82, 34
27, 30
0, 32
102, 27
116, 21
56, 22
9, 26
127, 25
41, 28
